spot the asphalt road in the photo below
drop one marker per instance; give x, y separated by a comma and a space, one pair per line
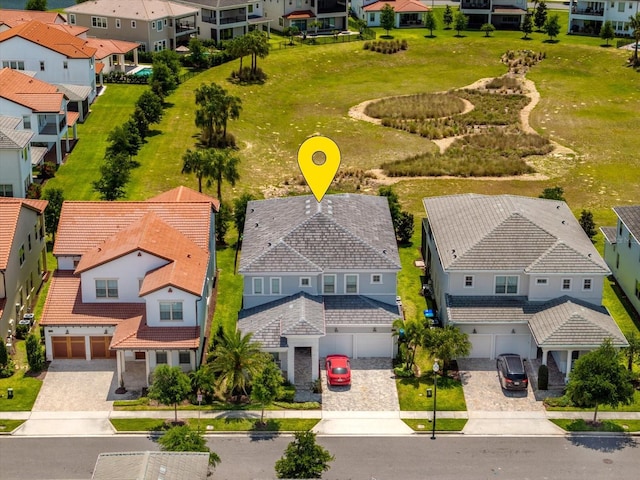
366, 458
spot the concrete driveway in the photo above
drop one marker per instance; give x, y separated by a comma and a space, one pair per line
78, 385
482, 390
373, 388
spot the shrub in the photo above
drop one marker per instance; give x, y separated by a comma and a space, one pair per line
34, 191
35, 353
543, 377
8, 369
287, 394
317, 385
402, 372
22, 331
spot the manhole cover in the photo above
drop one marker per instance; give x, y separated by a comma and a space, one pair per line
608, 461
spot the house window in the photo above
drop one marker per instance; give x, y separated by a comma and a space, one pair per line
586, 284
42, 66
506, 285
257, 286
372, 17
6, 190
13, 64
621, 6
250, 8
184, 357
617, 260
541, 281
106, 288
26, 122
65, 65
133, 24
351, 283
171, 311
305, 281
638, 289
29, 241
161, 358
99, 22
21, 254
566, 284
118, 23
72, 18
620, 228
629, 240
328, 284
159, 26
376, 278
275, 286
153, 25
468, 281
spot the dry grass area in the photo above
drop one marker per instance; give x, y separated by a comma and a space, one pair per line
416, 107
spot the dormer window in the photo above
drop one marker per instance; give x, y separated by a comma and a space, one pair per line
171, 311
106, 288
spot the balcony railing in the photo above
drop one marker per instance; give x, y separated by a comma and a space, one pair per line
234, 19
332, 6
209, 19
474, 5
587, 11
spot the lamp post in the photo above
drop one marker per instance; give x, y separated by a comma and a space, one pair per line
436, 367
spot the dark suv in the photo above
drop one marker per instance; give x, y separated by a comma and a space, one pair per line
511, 372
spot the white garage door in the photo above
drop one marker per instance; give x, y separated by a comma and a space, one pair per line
480, 345
374, 345
337, 343
520, 344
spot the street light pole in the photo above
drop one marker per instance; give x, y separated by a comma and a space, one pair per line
436, 367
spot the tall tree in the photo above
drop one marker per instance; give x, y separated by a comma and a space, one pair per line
430, 22
587, 223
446, 344
267, 385
162, 80
540, 15
303, 458
387, 18
114, 176
238, 48
527, 26
633, 350
552, 26
460, 22
634, 26
447, 17
203, 381
151, 105
215, 108
55, 197
598, 378
240, 211
224, 218
198, 163
236, 361
183, 439
197, 53
35, 353
223, 167
170, 386
411, 335
124, 139
257, 46
37, 5
171, 59
606, 31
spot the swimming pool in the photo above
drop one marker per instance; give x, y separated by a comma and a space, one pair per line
144, 72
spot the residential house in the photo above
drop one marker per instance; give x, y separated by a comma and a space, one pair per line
329, 15
13, 18
152, 466
502, 14
227, 19
56, 57
622, 251
42, 108
154, 24
319, 279
23, 259
15, 158
110, 54
134, 281
587, 17
408, 13
518, 275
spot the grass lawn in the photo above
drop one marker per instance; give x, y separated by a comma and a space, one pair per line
412, 394
25, 391
559, 404
442, 425
218, 425
603, 426
7, 426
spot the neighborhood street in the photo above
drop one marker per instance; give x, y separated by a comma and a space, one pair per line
416, 457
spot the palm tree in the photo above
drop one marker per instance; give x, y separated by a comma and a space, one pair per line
216, 108
238, 48
222, 165
203, 380
258, 46
634, 24
411, 335
446, 344
196, 162
235, 362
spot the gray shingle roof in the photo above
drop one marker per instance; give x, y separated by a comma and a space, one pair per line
610, 233
630, 216
75, 93
487, 309
152, 466
10, 123
507, 232
349, 310
14, 138
342, 232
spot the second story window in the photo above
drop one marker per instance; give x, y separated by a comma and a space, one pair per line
161, 358
13, 64
351, 284
171, 311
26, 121
65, 65
506, 285
566, 284
99, 22
257, 286
21, 254
133, 24
586, 284
72, 18
275, 286
42, 66
118, 23
106, 288
305, 282
329, 284
376, 278
468, 281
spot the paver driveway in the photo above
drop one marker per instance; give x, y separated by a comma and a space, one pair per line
373, 388
78, 385
482, 390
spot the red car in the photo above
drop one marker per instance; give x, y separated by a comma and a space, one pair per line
338, 370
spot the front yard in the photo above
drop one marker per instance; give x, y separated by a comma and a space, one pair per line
412, 394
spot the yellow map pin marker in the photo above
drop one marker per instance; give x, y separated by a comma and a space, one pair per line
319, 177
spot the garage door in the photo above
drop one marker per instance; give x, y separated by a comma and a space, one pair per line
100, 348
340, 343
374, 345
68, 347
480, 346
520, 344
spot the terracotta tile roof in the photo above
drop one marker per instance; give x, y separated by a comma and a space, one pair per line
184, 194
30, 92
72, 118
64, 305
9, 215
399, 6
298, 14
105, 47
187, 262
50, 37
135, 333
85, 225
99, 67
13, 18
74, 30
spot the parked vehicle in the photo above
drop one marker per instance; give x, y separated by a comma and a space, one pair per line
511, 372
338, 370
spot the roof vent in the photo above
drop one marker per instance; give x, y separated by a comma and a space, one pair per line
188, 255
455, 256
384, 251
558, 207
253, 210
257, 225
268, 244
453, 251
563, 222
589, 255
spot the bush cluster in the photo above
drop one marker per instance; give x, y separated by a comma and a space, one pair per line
247, 75
121, 77
416, 107
386, 46
505, 83
520, 61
